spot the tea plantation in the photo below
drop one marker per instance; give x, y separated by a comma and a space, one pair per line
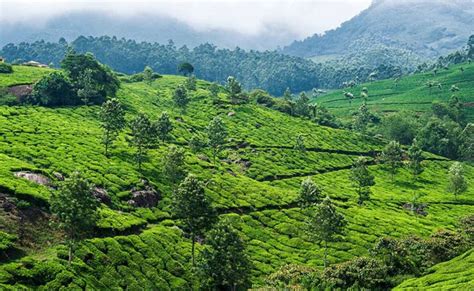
407, 93
254, 183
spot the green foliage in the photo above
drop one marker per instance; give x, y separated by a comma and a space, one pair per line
362, 179
216, 134
457, 182
112, 117
392, 157
301, 107
326, 225
173, 164
148, 75
185, 68
415, 156
5, 68
224, 263
309, 194
164, 126
193, 209
6, 242
290, 275
190, 83
401, 127
54, 89
75, 208
233, 87
180, 97
143, 135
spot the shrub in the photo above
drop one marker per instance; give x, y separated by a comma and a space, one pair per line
6, 68
54, 89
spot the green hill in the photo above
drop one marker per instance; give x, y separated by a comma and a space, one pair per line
457, 274
409, 93
255, 183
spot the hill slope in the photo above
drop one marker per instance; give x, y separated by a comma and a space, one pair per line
425, 28
457, 274
254, 183
409, 93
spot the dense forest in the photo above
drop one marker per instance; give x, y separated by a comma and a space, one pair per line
267, 70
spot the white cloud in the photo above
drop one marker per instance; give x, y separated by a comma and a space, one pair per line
301, 17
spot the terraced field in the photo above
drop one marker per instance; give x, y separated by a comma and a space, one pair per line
409, 93
254, 183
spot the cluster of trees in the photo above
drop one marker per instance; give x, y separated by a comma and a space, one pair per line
5, 68
390, 262
84, 81
269, 70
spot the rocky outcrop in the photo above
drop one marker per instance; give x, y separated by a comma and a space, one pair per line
101, 195
34, 177
147, 196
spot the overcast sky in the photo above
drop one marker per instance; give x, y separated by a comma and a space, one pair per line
302, 17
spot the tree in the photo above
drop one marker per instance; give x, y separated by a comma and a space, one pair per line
148, 75
287, 95
233, 87
310, 193
216, 133
326, 225
180, 97
164, 126
173, 163
112, 117
224, 264
392, 157
457, 182
193, 209
362, 179
190, 83
54, 89
456, 108
144, 135
75, 208
415, 156
362, 118
214, 89
301, 107
88, 91
185, 68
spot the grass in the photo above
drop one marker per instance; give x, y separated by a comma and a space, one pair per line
23, 75
409, 94
255, 185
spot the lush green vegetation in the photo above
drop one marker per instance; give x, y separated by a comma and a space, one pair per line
254, 184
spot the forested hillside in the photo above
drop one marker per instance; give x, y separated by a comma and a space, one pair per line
166, 157
423, 28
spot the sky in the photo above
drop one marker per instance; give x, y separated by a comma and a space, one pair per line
300, 17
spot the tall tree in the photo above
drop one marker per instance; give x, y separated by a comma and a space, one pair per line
302, 107
287, 95
193, 209
164, 126
75, 208
144, 134
310, 193
185, 68
415, 156
362, 179
180, 97
112, 117
233, 87
216, 133
392, 157
457, 181
190, 83
326, 225
362, 118
173, 163
224, 264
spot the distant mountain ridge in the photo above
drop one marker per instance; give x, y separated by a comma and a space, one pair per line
427, 28
143, 27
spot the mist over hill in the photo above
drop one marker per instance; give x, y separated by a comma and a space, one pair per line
141, 27
425, 28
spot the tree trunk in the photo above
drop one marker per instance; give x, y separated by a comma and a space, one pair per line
193, 238
325, 254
